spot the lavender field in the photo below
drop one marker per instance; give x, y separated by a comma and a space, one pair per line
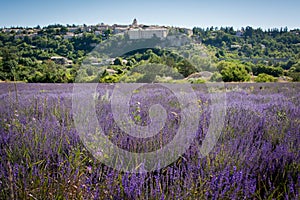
256, 157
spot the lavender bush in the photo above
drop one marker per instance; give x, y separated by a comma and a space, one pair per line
256, 157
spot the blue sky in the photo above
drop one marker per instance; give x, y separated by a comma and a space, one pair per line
183, 13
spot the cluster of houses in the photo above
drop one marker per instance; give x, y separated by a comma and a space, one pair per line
134, 31
21, 32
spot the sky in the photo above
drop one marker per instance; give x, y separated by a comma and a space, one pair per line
181, 13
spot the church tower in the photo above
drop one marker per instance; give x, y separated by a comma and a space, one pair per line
134, 23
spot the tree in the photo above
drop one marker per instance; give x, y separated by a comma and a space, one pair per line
118, 61
265, 78
186, 68
9, 63
107, 33
260, 68
294, 72
234, 72
62, 50
63, 30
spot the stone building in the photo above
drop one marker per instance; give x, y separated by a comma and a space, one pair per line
139, 33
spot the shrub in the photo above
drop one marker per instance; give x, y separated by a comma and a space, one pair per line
235, 72
265, 78
216, 77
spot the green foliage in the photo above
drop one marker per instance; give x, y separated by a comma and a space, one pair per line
274, 71
153, 65
23, 56
131, 78
250, 42
110, 79
265, 78
9, 63
296, 67
216, 77
202, 63
232, 71
49, 72
186, 68
196, 80
151, 71
295, 76
294, 71
118, 61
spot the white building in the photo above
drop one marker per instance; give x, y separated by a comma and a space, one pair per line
120, 30
69, 35
61, 60
139, 33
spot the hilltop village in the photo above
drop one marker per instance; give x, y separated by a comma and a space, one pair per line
134, 30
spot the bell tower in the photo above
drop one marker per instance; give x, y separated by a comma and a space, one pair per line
134, 23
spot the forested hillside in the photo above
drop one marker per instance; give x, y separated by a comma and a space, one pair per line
56, 52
